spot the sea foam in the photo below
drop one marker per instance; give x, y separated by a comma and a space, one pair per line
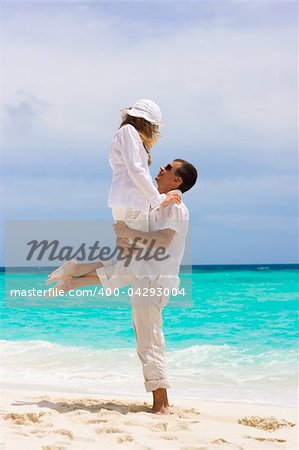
210, 372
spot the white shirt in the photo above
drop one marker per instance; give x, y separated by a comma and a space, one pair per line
132, 185
176, 217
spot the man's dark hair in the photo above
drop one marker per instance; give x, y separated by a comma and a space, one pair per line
188, 173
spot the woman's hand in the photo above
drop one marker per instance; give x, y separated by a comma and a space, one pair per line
171, 197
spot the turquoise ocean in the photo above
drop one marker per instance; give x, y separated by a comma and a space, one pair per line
236, 342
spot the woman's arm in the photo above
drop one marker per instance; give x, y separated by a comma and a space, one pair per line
129, 144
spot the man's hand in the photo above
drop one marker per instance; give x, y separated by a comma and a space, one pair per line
142, 239
126, 246
171, 197
122, 230
122, 242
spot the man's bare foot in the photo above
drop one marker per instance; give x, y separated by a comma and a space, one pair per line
161, 410
160, 399
67, 270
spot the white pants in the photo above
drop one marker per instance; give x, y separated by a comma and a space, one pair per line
147, 322
138, 220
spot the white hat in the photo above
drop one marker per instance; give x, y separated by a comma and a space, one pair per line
146, 109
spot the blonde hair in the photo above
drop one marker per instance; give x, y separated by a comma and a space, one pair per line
148, 132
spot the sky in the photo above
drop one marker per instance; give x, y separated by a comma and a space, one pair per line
225, 76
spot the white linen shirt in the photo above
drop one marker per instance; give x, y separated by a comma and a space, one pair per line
132, 185
176, 217
166, 273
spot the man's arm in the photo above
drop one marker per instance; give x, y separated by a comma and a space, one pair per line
159, 238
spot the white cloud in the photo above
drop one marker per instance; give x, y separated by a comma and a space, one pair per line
25, 113
228, 95
258, 195
50, 198
215, 85
252, 221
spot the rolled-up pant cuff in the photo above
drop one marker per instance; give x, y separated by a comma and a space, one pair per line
153, 385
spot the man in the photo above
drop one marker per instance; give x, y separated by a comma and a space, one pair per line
168, 228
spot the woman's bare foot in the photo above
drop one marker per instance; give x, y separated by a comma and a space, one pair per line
67, 270
73, 269
65, 285
73, 283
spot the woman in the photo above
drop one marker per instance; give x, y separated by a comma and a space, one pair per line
132, 191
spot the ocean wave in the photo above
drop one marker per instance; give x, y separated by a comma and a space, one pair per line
213, 372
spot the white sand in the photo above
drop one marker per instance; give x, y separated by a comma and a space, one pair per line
55, 421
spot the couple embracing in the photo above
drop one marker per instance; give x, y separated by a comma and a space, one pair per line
144, 215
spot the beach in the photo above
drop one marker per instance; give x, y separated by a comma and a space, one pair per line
71, 378
111, 110
56, 421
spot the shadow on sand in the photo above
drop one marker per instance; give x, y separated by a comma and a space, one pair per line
90, 405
